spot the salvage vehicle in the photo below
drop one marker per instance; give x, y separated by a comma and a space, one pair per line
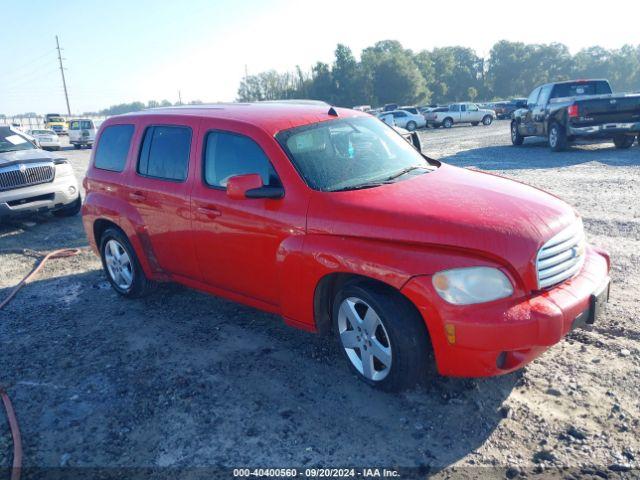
47, 139
578, 110
82, 132
55, 122
330, 219
32, 180
460, 113
407, 120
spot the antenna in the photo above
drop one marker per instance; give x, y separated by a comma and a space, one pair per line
64, 82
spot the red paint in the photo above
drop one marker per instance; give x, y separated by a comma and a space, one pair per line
272, 253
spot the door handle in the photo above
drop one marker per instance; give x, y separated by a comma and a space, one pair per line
210, 212
137, 196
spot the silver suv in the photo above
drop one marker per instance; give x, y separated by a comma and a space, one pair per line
32, 180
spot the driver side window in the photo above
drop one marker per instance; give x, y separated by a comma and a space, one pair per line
229, 154
533, 98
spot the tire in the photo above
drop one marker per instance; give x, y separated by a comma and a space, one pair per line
128, 279
447, 122
487, 120
399, 336
638, 139
623, 141
411, 126
69, 210
557, 138
475, 124
516, 137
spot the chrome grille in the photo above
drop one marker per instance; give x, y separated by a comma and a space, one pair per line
25, 175
561, 257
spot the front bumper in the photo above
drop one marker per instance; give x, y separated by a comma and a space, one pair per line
606, 130
40, 198
501, 336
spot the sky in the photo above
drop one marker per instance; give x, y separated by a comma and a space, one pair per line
122, 51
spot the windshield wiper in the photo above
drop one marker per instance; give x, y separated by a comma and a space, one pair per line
361, 186
402, 172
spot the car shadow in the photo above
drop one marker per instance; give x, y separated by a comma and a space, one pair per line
41, 232
535, 154
182, 379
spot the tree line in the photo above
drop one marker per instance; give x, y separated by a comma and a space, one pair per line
387, 72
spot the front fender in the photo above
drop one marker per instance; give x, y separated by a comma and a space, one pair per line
388, 262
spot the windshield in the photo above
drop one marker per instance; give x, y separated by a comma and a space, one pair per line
42, 132
11, 141
56, 119
351, 153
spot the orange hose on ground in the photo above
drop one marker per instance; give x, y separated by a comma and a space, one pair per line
15, 433
11, 414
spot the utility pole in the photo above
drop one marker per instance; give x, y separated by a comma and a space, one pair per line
64, 82
179, 98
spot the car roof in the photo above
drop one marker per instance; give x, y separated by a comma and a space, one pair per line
271, 117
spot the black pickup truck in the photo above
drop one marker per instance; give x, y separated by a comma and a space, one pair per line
578, 109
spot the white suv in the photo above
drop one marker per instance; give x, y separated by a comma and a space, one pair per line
32, 180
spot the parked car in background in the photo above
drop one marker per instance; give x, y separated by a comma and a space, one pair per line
55, 122
413, 110
47, 139
33, 180
407, 120
362, 108
578, 109
82, 132
460, 113
323, 216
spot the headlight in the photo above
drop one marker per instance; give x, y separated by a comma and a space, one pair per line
465, 286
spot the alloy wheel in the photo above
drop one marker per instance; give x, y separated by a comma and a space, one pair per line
118, 264
364, 338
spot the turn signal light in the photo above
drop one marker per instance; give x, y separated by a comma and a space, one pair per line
450, 331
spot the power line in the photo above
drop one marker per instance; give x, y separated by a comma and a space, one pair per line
64, 82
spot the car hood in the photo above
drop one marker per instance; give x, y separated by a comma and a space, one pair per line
26, 156
484, 214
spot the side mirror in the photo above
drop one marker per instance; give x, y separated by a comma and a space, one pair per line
251, 186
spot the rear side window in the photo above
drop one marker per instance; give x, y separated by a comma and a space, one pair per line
113, 147
228, 154
165, 153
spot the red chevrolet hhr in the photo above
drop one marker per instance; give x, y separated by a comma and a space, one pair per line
329, 218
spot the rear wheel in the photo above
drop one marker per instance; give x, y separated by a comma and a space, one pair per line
447, 123
557, 138
411, 126
623, 141
516, 137
121, 265
381, 335
487, 120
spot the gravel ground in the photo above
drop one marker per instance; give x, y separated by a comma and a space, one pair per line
185, 380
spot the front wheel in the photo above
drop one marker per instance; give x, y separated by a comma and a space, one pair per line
411, 126
447, 123
487, 120
516, 137
557, 138
623, 141
381, 335
121, 265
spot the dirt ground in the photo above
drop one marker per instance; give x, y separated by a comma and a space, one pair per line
193, 382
